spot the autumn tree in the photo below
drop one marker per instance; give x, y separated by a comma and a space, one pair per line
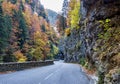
73, 13
8, 8
24, 31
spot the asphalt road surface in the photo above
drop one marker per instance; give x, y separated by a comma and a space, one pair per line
58, 73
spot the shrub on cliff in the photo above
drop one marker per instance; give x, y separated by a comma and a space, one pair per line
67, 31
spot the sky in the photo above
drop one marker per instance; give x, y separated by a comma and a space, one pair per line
55, 5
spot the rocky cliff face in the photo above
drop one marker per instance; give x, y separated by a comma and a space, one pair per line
52, 16
97, 39
65, 8
37, 7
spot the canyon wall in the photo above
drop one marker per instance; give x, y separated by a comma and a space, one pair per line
97, 40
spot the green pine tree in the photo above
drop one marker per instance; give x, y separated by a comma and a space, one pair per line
23, 35
5, 30
3, 35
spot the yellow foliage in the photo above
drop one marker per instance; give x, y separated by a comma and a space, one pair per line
19, 56
28, 16
67, 31
73, 13
21, 60
39, 40
38, 53
41, 48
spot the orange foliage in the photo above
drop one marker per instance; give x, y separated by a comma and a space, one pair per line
47, 26
28, 15
38, 40
19, 56
13, 40
8, 7
35, 22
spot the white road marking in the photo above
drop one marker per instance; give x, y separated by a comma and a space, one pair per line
51, 74
48, 76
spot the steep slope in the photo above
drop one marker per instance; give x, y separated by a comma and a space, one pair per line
65, 8
25, 33
97, 40
37, 7
52, 16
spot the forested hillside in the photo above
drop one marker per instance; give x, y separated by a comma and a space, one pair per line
25, 32
92, 37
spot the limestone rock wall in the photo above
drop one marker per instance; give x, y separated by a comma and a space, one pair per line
97, 39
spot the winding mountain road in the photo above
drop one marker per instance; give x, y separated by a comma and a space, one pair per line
58, 73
